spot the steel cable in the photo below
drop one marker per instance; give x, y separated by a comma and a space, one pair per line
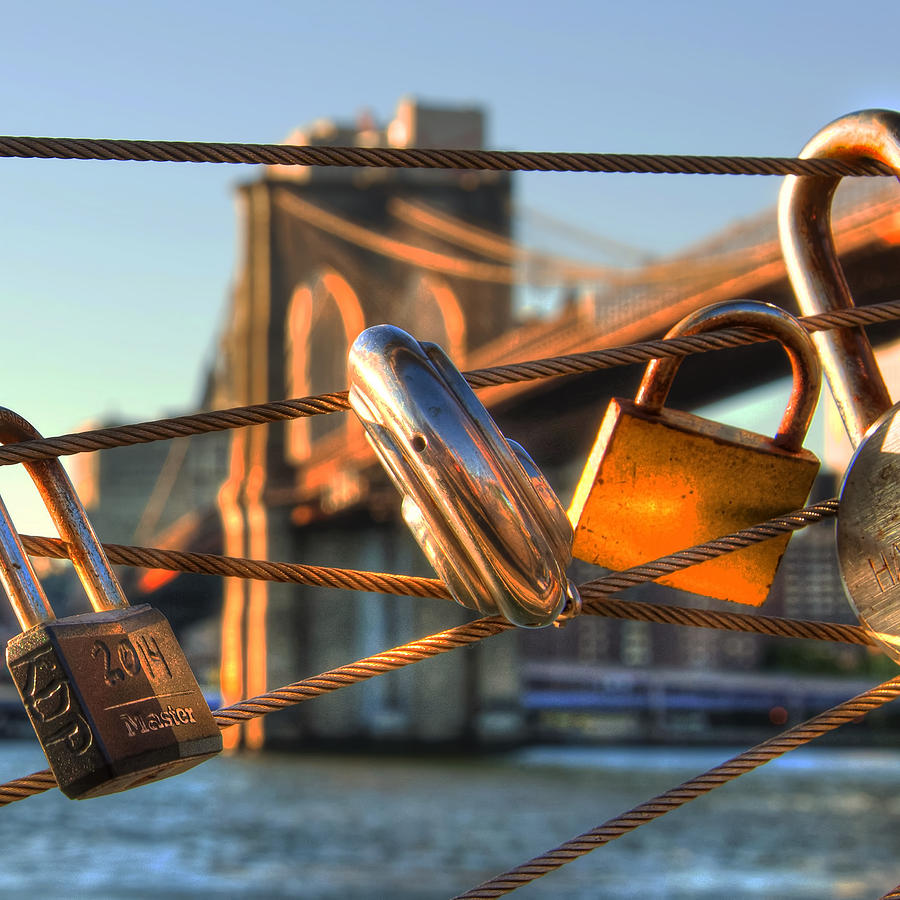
282, 410
675, 797
256, 569
746, 537
471, 632
343, 676
594, 593
396, 158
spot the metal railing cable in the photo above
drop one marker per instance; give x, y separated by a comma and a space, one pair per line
257, 569
595, 591
493, 376
689, 790
415, 158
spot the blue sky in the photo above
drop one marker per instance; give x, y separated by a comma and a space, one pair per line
115, 275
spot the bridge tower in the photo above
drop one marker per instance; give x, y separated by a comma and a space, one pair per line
324, 253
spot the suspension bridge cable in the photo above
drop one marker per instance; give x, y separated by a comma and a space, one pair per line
420, 257
488, 243
638, 256
551, 269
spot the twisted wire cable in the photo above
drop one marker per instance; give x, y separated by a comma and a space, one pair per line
362, 670
461, 635
774, 626
594, 593
893, 894
471, 632
278, 411
290, 695
416, 651
257, 569
394, 158
746, 537
27, 786
675, 797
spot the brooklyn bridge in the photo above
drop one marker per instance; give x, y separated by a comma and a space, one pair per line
327, 252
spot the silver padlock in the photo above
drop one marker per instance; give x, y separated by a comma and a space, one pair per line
868, 526
477, 504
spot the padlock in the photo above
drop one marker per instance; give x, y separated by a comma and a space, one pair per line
660, 480
476, 503
868, 524
110, 694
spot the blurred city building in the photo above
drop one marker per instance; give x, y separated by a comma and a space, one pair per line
326, 252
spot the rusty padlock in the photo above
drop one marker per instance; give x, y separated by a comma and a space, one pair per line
659, 480
868, 525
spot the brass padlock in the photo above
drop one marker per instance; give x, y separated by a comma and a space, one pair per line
659, 480
109, 693
868, 525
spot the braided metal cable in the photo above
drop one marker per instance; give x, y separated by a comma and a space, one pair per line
594, 593
893, 894
391, 158
278, 411
362, 670
675, 797
471, 632
644, 351
774, 626
665, 565
598, 604
459, 636
295, 693
257, 569
175, 427
27, 786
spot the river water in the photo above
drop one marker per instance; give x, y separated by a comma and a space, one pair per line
816, 824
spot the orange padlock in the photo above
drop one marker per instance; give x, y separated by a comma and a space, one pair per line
660, 480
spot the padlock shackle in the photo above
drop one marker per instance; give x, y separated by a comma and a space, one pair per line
771, 321
807, 243
69, 517
29, 602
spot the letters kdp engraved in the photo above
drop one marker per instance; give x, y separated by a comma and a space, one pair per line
110, 693
49, 702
